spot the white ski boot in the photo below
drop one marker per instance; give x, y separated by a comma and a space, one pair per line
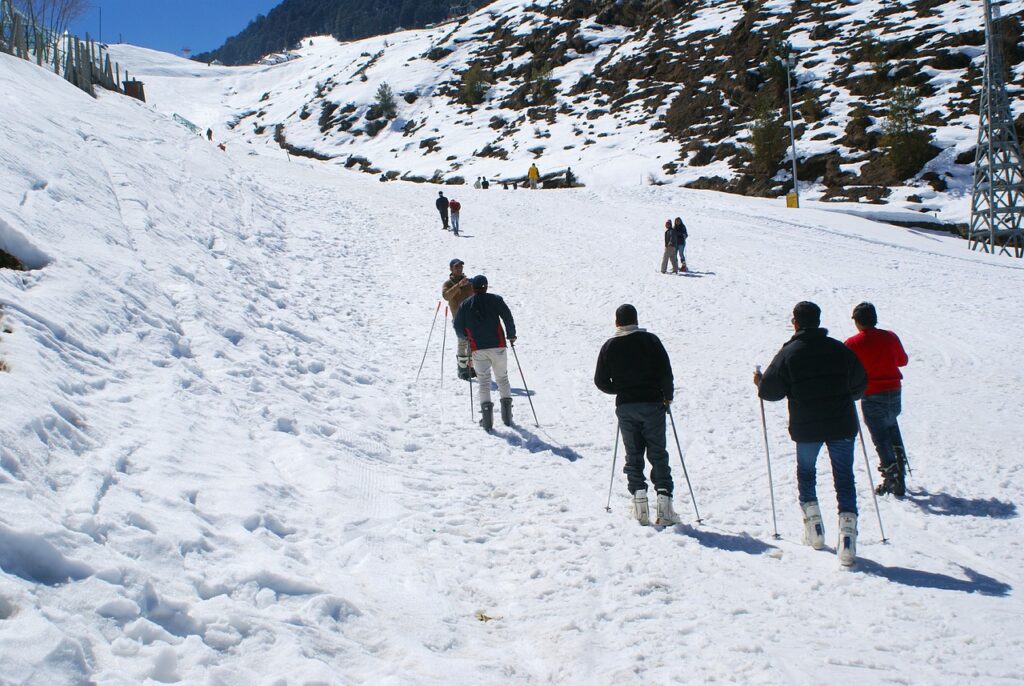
666, 515
814, 527
847, 546
640, 510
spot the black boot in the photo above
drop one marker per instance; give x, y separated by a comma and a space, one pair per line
506, 411
487, 416
892, 481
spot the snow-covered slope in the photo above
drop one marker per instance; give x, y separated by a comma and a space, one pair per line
628, 95
216, 466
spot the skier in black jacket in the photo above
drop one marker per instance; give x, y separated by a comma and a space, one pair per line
822, 378
442, 207
634, 366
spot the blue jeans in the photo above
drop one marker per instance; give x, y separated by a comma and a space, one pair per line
841, 453
682, 258
880, 413
643, 428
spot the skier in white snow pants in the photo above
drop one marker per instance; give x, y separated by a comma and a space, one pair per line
480, 320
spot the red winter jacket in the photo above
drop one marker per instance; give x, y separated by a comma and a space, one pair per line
455, 205
882, 355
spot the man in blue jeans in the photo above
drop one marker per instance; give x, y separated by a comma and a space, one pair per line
821, 378
634, 367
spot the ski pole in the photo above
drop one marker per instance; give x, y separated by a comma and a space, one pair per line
871, 481
527, 388
768, 461
683, 462
444, 342
615, 457
472, 414
436, 310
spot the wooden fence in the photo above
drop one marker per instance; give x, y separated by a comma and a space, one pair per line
84, 63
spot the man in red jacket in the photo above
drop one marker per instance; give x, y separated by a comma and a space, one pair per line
882, 355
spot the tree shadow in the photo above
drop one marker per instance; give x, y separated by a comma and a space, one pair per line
732, 543
522, 438
974, 583
955, 506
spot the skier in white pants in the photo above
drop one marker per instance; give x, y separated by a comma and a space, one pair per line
479, 320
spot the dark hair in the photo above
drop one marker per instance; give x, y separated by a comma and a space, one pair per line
625, 315
865, 315
807, 315
679, 221
668, 223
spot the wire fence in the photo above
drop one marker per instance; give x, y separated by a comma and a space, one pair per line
83, 63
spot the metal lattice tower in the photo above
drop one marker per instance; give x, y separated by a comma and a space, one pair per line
997, 203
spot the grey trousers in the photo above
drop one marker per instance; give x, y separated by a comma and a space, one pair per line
669, 256
643, 429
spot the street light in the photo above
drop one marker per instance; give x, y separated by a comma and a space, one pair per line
790, 63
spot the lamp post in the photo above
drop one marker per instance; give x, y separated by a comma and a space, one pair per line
790, 60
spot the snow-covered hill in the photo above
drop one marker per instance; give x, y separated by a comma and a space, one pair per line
635, 93
216, 466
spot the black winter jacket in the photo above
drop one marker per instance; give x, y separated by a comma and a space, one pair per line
441, 204
822, 378
635, 368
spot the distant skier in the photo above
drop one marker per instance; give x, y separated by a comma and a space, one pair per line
484, 183
442, 207
455, 206
478, 184
209, 134
669, 253
681, 235
570, 178
455, 291
533, 175
479, 320
882, 354
822, 378
634, 366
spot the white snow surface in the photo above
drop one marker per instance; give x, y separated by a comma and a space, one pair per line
217, 465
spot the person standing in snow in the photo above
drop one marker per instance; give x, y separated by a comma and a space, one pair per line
455, 206
882, 355
634, 367
455, 291
669, 254
484, 183
477, 184
681, 235
442, 207
822, 378
479, 320
533, 176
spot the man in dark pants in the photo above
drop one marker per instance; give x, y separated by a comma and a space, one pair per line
442, 208
822, 378
882, 354
634, 367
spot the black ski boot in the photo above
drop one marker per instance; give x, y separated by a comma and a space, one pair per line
506, 411
892, 481
487, 416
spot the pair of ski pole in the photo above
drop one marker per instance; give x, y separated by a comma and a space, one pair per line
615, 455
771, 486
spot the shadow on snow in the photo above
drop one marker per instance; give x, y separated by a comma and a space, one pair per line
522, 438
974, 583
955, 506
743, 543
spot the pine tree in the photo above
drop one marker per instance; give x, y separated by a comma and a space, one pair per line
906, 141
385, 101
767, 136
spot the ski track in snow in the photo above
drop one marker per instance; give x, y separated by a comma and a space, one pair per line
222, 471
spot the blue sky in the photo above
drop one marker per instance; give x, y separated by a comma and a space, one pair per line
170, 25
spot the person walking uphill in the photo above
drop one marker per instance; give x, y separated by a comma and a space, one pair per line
882, 355
533, 176
681, 235
634, 367
822, 378
479, 321
455, 291
669, 254
455, 207
442, 207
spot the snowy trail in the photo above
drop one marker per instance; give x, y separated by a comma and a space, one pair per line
222, 471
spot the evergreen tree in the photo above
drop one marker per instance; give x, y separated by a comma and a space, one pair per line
767, 136
385, 101
906, 141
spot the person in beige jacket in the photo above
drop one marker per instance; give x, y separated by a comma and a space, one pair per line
456, 289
